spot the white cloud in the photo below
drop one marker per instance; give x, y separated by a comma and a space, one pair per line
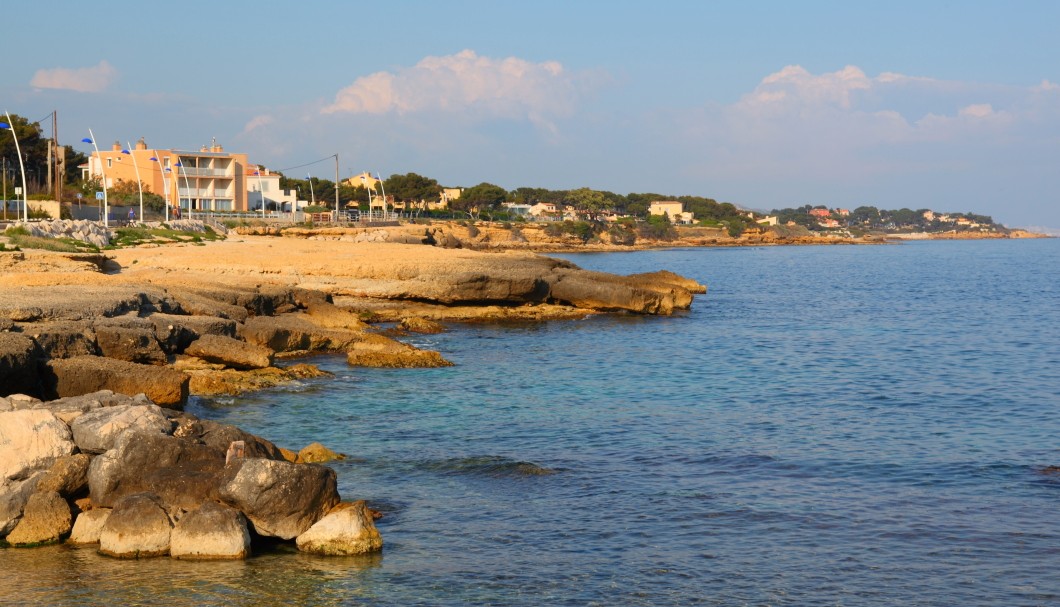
85, 80
467, 82
258, 121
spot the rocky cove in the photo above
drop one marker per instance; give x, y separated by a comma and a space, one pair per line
99, 353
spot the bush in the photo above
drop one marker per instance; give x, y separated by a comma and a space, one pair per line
657, 227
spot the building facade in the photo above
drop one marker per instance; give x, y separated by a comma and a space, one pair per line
207, 180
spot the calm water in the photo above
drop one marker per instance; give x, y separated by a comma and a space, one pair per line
828, 426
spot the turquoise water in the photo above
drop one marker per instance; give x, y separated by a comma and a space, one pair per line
828, 426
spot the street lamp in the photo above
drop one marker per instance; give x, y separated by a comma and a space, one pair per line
106, 205
261, 190
139, 184
25, 204
165, 184
187, 185
379, 178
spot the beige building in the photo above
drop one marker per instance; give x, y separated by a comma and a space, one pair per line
207, 180
673, 209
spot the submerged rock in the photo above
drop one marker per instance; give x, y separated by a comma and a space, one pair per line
316, 453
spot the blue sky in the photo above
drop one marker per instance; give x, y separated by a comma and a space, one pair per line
953, 106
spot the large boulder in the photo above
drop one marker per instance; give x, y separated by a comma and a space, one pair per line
88, 526
230, 352
68, 476
19, 356
197, 305
296, 332
31, 440
85, 374
97, 430
416, 324
13, 497
316, 453
176, 332
374, 350
132, 344
138, 527
45, 519
181, 473
212, 531
348, 529
219, 437
71, 407
281, 499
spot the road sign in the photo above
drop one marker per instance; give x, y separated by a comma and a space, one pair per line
79, 195
99, 195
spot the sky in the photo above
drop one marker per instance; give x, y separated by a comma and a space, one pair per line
952, 106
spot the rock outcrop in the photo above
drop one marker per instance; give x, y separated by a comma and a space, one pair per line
45, 518
85, 374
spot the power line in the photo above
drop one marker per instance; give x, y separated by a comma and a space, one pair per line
307, 163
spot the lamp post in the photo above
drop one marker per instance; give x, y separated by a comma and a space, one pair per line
187, 186
382, 188
165, 185
25, 204
139, 184
261, 190
106, 205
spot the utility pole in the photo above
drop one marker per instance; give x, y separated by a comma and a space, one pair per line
5, 188
60, 159
336, 187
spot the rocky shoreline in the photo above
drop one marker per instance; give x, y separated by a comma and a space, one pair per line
99, 354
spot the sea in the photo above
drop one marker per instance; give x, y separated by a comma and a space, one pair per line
828, 425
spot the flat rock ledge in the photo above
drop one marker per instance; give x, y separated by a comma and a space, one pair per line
139, 481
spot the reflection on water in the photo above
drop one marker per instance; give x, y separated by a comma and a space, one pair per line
57, 575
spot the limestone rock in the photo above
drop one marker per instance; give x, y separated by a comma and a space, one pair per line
316, 453
218, 437
63, 339
230, 352
379, 351
181, 473
295, 332
213, 531
88, 526
281, 499
68, 476
45, 519
13, 497
330, 316
138, 527
132, 344
415, 324
71, 407
85, 374
31, 440
96, 431
206, 381
348, 529
176, 332
18, 364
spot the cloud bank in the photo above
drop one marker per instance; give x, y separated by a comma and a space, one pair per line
84, 80
467, 83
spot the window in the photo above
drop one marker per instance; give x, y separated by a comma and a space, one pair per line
110, 162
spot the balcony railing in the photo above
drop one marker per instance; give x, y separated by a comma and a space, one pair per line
197, 172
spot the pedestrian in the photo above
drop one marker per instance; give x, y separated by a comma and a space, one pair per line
132, 215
